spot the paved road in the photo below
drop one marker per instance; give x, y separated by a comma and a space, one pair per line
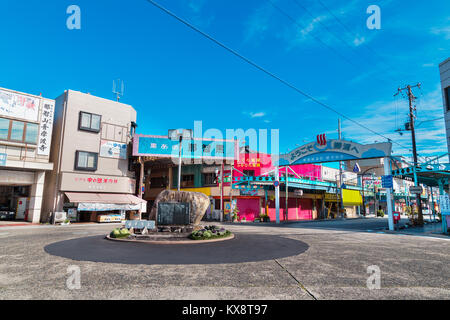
297, 261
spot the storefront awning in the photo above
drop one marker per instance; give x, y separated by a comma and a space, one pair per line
106, 201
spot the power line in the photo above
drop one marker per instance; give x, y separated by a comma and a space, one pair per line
316, 38
353, 34
331, 32
286, 83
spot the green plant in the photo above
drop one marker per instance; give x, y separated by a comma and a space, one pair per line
380, 213
235, 214
209, 232
120, 233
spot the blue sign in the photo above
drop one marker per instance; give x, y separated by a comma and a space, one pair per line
162, 146
335, 150
356, 168
276, 183
387, 181
2, 159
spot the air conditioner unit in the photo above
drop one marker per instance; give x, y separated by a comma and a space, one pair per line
60, 216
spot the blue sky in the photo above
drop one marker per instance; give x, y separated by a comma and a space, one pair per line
173, 76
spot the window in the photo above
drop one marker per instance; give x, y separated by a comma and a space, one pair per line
209, 179
86, 161
158, 182
89, 122
187, 180
4, 129
31, 135
250, 173
18, 131
447, 97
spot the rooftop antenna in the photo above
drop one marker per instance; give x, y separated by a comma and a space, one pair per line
118, 88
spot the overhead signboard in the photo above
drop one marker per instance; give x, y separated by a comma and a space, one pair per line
335, 150
195, 148
19, 106
387, 182
414, 189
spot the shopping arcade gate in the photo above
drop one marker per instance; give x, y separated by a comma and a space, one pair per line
323, 151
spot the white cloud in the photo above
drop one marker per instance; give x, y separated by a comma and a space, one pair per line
257, 114
385, 117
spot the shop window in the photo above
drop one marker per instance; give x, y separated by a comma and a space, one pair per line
209, 179
86, 161
187, 180
89, 122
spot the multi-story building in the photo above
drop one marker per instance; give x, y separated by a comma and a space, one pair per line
444, 70
92, 180
26, 123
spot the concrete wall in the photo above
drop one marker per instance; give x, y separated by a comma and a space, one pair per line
116, 121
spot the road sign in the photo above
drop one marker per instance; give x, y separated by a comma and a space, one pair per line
356, 168
387, 181
417, 190
276, 183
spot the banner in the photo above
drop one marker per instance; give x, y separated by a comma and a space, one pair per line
110, 149
46, 128
18, 106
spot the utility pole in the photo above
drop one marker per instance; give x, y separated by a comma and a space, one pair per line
411, 99
341, 203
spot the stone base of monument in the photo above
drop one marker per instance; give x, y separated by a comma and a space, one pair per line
166, 238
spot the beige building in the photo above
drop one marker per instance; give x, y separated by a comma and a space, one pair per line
91, 180
444, 70
26, 123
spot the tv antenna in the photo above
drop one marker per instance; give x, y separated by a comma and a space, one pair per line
118, 88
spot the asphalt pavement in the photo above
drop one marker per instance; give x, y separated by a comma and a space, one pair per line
291, 261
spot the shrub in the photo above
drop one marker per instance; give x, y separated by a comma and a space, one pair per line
120, 233
209, 232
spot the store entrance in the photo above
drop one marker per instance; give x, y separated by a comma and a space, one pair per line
14, 202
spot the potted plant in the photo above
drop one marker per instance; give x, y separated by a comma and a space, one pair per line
264, 218
235, 214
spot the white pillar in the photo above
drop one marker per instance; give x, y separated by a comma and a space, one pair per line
34, 208
387, 171
277, 195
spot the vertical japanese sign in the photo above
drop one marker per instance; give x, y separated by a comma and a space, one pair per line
46, 128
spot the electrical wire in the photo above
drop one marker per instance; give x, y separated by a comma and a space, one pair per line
353, 34
267, 72
335, 35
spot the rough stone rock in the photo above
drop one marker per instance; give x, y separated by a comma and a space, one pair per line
199, 203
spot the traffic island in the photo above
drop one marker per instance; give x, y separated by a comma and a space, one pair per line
204, 235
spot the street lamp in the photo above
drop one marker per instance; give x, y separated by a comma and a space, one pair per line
179, 134
362, 183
